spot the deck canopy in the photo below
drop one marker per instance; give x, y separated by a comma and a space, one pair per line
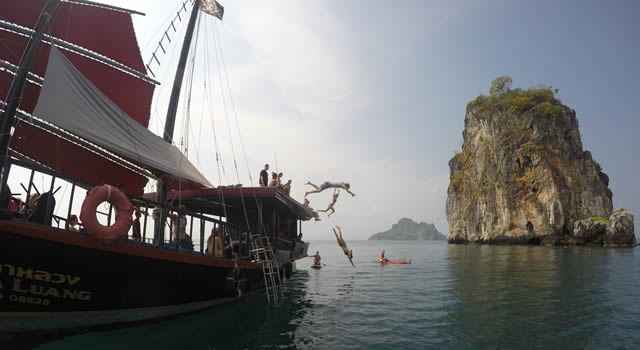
210, 200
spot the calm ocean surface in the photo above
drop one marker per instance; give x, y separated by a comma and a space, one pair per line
450, 297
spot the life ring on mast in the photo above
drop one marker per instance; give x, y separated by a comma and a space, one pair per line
120, 203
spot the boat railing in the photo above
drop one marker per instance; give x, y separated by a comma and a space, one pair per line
199, 225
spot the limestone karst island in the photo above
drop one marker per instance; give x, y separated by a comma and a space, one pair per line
523, 176
407, 229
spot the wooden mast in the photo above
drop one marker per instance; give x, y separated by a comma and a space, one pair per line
14, 96
161, 189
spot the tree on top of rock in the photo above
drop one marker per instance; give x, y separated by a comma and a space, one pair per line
500, 85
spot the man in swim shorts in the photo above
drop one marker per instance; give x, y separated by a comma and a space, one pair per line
343, 185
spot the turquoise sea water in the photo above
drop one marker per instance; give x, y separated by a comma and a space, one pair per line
450, 297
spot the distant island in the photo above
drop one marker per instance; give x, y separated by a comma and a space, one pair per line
407, 229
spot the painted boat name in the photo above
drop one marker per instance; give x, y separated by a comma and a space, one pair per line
25, 281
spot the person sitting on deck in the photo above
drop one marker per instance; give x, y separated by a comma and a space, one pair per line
209, 249
179, 229
316, 258
344, 185
43, 209
313, 212
280, 179
336, 193
274, 180
135, 227
73, 221
5, 200
286, 188
214, 243
383, 259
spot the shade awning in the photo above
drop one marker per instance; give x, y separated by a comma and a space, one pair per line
70, 101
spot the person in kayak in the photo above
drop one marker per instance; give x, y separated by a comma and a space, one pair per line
343, 245
316, 258
383, 259
343, 185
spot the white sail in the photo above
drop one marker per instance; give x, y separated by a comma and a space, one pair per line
70, 101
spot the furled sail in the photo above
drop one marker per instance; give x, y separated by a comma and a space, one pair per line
70, 101
107, 32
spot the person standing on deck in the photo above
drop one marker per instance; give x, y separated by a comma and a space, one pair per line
135, 234
264, 176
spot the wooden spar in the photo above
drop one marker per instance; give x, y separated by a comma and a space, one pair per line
169, 124
14, 96
177, 81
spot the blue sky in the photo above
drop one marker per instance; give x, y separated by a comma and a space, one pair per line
374, 93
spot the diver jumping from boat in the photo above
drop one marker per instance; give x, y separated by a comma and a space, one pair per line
313, 211
343, 185
336, 193
343, 245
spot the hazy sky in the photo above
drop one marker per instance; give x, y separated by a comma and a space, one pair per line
374, 92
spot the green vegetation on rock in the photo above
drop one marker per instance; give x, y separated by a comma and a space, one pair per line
600, 218
407, 229
503, 100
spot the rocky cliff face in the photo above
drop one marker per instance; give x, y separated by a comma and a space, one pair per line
522, 174
407, 229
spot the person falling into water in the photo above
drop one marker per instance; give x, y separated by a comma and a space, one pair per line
343, 244
343, 185
336, 193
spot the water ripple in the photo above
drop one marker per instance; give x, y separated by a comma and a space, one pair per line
451, 297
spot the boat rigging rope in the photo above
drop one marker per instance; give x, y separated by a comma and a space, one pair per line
233, 108
218, 47
187, 107
155, 118
154, 57
209, 104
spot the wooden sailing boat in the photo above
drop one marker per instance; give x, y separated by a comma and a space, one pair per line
76, 109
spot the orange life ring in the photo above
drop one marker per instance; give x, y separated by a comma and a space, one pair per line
122, 206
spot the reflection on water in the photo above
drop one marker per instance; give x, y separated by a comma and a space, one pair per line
450, 297
536, 297
243, 324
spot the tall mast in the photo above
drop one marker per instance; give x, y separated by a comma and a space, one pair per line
161, 188
14, 95
177, 81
